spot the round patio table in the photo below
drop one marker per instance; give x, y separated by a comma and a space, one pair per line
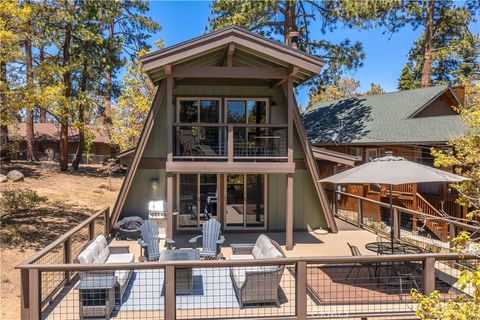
381, 247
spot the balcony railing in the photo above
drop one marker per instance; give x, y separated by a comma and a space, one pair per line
235, 142
315, 287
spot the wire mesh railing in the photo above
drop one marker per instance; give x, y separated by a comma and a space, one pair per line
324, 287
429, 232
64, 250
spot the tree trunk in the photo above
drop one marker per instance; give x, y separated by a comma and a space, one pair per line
427, 54
81, 128
290, 21
42, 111
67, 83
29, 114
107, 112
4, 141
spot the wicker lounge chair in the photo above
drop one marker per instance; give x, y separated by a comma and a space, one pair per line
255, 285
191, 146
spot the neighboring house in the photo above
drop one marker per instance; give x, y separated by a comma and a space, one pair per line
408, 123
47, 140
224, 139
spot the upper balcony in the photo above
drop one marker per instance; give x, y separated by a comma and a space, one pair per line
230, 142
214, 129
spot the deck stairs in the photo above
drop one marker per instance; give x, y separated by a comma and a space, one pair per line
409, 198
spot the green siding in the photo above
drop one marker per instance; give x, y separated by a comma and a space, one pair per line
141, 193
307, 208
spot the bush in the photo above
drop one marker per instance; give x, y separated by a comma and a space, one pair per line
19, 200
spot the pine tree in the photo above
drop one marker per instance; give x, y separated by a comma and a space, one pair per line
279, 20
407, 79
446, 49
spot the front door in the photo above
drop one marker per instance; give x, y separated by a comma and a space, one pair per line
245, 201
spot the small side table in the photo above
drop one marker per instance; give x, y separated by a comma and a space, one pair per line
96, 295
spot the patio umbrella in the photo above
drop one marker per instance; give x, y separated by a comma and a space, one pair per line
391, 170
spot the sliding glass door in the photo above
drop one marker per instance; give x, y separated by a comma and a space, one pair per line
197, 197
245, 201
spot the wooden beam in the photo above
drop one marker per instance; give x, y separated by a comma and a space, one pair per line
229, 72
230, 143
229, 167
290, 106
312, 166
142, 142
169, 117
228, 57
301, 289
289, 213
222, 82
168, 69
169, 206
292, 72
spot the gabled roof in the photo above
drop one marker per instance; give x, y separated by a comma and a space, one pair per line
50, 131
382, 119
250, 50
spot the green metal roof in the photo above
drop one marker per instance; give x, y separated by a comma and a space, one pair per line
381, 119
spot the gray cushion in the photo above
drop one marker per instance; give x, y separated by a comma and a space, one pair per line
261, 245
242, 257
87, 256
121, 258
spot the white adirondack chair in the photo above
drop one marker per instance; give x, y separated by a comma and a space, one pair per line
150, 241
212, 240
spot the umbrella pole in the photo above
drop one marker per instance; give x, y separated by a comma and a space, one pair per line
391, 216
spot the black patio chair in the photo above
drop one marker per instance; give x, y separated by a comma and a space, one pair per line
359, 265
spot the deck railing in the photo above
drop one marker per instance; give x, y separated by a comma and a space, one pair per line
63, 251
431, 231
222, 142
311, 287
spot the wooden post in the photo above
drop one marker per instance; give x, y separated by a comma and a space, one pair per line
290, 106
360, 213
170, 311
91, 230
414, 224
428, 275
106, 221
169, 115
25, 294
169, 206
289, 213
67, 256
451, 234
396, 224
230, 142
301, 290
31, 307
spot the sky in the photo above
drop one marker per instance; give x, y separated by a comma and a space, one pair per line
386, 55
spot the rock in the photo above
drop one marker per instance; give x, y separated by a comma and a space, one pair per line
3, 178
15, 176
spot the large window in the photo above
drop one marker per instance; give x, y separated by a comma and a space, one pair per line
197, 196
246, 111
245, 201
201, 140
198, 110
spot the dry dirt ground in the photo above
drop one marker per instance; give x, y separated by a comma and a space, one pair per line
72, 197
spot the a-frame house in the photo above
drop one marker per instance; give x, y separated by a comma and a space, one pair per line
224, 139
